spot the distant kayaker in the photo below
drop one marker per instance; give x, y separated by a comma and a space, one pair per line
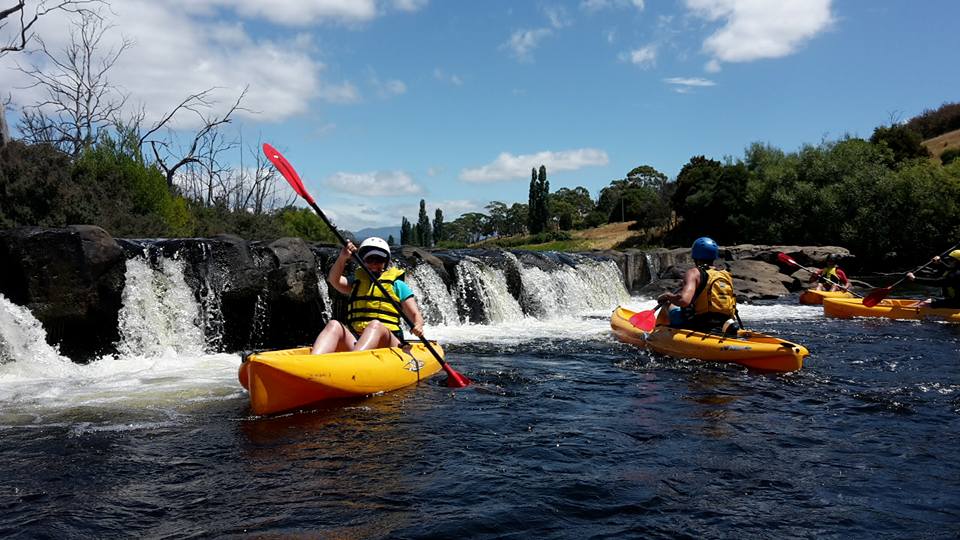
949, 281
706, 301
370, 314
831, 277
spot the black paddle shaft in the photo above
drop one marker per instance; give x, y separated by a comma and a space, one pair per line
374, 279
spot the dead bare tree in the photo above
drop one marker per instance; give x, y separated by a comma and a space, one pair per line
207, 142
22, 18
80, 101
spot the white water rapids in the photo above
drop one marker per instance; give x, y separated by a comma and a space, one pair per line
164, 369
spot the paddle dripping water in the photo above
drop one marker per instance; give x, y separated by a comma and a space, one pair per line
565, 432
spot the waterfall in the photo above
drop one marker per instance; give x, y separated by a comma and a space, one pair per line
653, 264
24, 341
478, 282
211, 287
261, 315
590, 285
435, 301
324, 291
160, 312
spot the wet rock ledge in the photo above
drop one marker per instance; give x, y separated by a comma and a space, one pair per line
72, 280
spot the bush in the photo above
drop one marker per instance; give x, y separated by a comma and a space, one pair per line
35, 186
949, 155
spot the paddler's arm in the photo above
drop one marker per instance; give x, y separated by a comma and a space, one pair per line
412, 311
690, 281
336, 278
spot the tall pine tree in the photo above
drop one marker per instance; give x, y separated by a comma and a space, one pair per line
532, 203
424, 231
544, 196
406, 232
438, 226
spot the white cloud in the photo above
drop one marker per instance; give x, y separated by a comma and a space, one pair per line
694, 81
523, 42
597, 5
300, 13
389, 88
557, 16
757, 29
344, 93
374, 184
409, 5
175, 53
508, 166
644, 57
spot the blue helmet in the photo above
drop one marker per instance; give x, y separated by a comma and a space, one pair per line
705, 249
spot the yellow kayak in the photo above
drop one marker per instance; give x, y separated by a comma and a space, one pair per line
288, 379
751, 349
811, 297
845, 308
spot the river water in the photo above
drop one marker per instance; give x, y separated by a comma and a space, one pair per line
565, 433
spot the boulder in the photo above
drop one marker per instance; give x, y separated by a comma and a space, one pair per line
71, 279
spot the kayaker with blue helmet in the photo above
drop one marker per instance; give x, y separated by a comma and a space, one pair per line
373, 319
705, 301
948, 281
832, 277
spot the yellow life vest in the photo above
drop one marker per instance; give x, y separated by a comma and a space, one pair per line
715, 293
367, 303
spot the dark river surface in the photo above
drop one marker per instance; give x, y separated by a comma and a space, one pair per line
565, 433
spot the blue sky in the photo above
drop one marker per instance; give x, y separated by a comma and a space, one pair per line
379, 103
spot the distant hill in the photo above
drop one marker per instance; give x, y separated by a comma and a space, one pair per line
382, 232
938, 144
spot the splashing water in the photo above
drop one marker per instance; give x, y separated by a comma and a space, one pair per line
434, 299
476, 280
159, 313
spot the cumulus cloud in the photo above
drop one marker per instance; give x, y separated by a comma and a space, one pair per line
374, 184
523, 42
508, 166
685, 81
301, 13
758, 29
643, 57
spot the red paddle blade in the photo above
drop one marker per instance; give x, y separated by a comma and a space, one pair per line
785, 259
644, 320
286, 169
876, 296
454, 379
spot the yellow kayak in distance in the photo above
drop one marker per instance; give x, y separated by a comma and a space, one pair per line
813, 297
888, 308
289, 379
750, 349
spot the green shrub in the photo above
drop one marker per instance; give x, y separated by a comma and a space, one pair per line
949, 155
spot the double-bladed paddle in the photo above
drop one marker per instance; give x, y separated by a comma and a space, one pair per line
877, 295
454, 379
786, 259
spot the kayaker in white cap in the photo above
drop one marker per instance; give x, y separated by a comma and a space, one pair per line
373, 320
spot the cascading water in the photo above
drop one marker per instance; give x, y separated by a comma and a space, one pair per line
22, 338
479, 282
324, 291
436, 303
590, 285
159, 313
211, 310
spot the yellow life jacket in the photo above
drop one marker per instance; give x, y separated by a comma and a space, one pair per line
715, 293
367, 303
830, 273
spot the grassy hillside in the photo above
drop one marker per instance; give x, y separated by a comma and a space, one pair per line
938, 144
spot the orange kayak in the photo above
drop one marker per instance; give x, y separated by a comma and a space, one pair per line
288, 379
750, 349
888, 308
813, 297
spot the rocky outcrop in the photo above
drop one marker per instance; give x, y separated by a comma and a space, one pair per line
71, 279
269, 294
